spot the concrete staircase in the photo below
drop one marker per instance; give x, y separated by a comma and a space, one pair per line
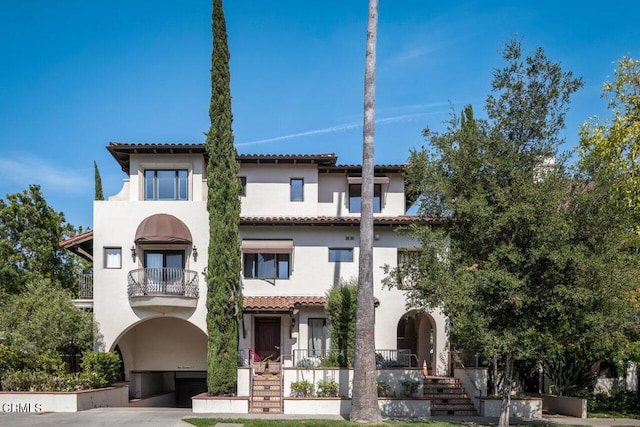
266, 392
447, 397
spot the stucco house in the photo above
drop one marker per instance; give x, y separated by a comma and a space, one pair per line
299, 231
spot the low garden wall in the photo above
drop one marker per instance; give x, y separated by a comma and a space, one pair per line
36, 402
530, 407
389, 407
204, 404
393, 377
571, 406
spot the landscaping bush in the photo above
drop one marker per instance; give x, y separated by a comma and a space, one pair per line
618, 401
100, 369
383, 389
301, 389
409, 387
327, 388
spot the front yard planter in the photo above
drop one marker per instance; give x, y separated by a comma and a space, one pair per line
72, 401
519, 407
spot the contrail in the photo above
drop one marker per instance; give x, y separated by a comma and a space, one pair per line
333, 129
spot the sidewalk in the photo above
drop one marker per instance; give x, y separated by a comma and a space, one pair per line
172, 417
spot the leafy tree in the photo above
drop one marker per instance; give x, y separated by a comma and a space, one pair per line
609, 155
98, 195
529, 265
364, 405
341, 310
613, 146
44, 319
30, 232
224, 295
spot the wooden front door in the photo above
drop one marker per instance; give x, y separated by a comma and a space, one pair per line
267, 337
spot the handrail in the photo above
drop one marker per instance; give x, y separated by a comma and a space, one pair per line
85, 286
385, 358
163, 282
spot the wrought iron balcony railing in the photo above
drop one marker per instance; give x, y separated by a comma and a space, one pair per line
85, 290
163, 282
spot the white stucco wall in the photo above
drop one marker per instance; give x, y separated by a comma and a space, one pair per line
267, 194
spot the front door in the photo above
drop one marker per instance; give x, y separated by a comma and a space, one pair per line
267, 337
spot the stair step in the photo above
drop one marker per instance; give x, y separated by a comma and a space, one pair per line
266, 393
265, 403
451, 407
435, 412
441, 380
265, 411
443, 401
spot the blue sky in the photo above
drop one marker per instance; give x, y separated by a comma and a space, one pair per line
78, 74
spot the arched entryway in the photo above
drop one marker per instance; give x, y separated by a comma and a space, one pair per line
165, 361
417, 333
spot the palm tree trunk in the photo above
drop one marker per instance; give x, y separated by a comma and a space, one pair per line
364, 405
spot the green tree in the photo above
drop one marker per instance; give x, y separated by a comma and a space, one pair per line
224, 295
529, 264
98, 195
44, 319
30, 232
611, 148
341, 310
364, 404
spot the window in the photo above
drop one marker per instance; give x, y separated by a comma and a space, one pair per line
297, 189
243, 185
112, 257
166, 184
266, 266
355, 198
408, 261
340, 254
319, 341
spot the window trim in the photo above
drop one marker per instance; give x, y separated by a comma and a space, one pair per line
119, 251
291, 190
350, 251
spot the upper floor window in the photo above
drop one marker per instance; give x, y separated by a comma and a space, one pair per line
355, 198
166, 184
408, 262
297, 189
266, 266
112, 257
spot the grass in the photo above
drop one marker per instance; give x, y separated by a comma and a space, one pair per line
259, 422
615, 414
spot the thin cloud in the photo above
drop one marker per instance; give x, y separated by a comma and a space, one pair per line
24, 170
334, 129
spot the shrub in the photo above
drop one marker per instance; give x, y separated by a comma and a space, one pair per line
327, 388
100, 369
301, 389
304, 363
383, 389
409, 387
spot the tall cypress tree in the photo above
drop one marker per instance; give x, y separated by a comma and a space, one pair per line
224, 296
98, 183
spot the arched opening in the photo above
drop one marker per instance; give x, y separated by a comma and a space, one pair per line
416, 333
165, 361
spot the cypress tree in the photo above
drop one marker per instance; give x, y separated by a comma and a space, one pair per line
98, 183
224, 296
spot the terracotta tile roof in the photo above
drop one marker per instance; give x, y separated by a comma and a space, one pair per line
286, 303
333, 220
81, 245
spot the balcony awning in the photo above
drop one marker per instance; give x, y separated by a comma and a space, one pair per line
376, 180
163, 228
267, 246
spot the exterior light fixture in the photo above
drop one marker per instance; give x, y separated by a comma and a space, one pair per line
195, 253
133, 253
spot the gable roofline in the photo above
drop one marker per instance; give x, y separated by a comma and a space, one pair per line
122, 151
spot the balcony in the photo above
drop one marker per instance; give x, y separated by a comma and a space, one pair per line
163, 289
85, 292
